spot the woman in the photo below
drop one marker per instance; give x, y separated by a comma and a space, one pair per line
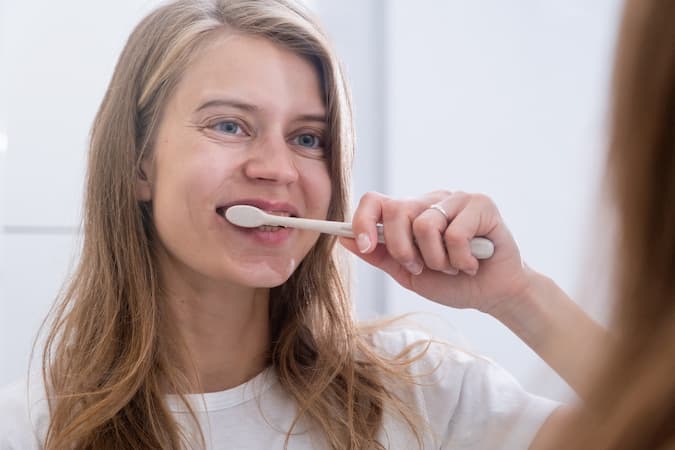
180, 330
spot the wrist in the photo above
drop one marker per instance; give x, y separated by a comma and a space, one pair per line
524, 312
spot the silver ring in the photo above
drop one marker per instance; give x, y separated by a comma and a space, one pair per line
440, 209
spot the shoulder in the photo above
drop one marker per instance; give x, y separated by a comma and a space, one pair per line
466, 399
426, 352
24, 413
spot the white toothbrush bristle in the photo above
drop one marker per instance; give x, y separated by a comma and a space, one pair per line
245, 216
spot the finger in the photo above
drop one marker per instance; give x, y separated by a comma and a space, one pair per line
364, 222
453, 205
478, 218
397, 219
428, 229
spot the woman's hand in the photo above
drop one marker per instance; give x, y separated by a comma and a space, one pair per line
429, 253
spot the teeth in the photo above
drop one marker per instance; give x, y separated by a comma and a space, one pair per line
269, 228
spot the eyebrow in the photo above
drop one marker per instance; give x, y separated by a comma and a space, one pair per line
237, 104
227, 102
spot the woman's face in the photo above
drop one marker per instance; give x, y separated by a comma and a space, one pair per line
245, 125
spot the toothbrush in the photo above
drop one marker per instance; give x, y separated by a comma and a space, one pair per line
251, 217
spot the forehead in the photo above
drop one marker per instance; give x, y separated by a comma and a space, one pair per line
254, 69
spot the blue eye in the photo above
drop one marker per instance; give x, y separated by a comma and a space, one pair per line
228, 127
308, 140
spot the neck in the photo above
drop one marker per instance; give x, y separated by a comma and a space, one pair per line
224, 330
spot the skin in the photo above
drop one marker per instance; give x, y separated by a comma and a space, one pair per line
245, 124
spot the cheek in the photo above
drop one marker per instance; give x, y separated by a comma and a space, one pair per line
184, 194
318, 186
204, 177
192, 179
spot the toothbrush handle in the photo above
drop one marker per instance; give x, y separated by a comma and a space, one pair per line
481, 248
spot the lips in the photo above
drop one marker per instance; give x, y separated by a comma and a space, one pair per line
268, 236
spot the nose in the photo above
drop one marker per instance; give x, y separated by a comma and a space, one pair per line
271, 160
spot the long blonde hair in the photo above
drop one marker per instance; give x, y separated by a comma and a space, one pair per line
632, 401
108, 358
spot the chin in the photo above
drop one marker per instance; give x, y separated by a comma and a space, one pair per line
265, 275
264, 280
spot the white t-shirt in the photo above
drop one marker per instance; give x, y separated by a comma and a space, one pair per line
468, 401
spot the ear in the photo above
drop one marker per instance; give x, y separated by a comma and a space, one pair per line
143, 182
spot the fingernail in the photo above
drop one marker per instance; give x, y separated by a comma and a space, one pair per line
471, 272
414, 267
363, 242
451, 271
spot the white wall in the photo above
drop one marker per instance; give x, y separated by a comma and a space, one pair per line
3, 147
57, 62
507, 98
